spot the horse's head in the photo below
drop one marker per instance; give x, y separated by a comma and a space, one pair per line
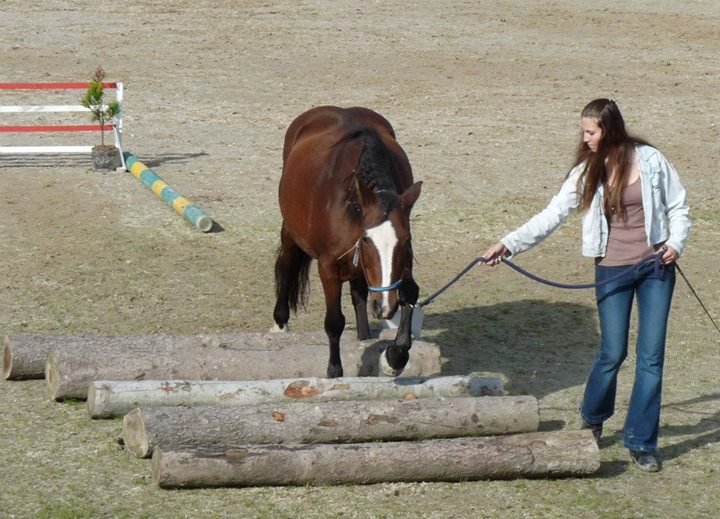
386, 248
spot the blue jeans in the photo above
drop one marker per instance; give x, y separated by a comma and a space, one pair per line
654, 289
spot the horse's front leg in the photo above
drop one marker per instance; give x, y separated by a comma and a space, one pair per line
396, 356
334, 318
359, 294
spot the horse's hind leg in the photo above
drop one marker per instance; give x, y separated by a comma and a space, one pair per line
359, 294
291, 272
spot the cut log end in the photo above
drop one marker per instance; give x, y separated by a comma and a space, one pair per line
134, 434
7, 358
51, 375
91, 401
156, 470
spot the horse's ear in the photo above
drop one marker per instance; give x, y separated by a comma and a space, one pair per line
410, 196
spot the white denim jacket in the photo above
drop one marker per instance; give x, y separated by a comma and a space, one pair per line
667, 216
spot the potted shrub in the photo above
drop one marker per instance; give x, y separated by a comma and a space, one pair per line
104, 156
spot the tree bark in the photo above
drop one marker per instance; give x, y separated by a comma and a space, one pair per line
73, 363
145, 428
107, 399
532, 455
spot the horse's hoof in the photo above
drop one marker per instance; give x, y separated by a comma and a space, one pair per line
385, 368
279, 329
334, 371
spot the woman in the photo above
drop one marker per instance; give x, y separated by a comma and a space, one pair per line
634, 206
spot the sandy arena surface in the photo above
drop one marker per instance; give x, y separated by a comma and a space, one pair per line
484, 97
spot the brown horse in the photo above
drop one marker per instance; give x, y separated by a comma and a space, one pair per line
345, 195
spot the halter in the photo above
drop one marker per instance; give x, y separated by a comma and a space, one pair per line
384, 289
357, 258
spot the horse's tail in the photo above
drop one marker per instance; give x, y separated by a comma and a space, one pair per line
297, 277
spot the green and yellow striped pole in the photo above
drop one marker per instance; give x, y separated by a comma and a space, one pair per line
157, 185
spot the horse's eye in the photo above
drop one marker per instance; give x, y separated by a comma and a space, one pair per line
365, 240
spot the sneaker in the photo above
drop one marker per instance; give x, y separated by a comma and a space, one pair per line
645, 461
596, 429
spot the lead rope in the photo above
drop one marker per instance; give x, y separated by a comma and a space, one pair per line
656, 261
447, 285
654, 258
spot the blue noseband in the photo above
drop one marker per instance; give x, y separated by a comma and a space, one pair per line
387, 288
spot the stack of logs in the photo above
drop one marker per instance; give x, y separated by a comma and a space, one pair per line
252, 409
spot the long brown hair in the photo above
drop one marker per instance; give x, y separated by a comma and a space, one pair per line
615, 151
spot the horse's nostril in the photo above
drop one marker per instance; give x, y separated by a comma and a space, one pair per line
376, 309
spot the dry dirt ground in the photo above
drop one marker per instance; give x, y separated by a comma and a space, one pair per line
484, 97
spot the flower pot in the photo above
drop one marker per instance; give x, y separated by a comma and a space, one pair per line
106, 157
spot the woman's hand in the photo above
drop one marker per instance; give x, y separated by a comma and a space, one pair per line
495, 253
669, 255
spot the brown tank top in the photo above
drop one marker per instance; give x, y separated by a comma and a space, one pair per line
627, 241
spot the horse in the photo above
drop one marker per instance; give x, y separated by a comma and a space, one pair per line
345, 194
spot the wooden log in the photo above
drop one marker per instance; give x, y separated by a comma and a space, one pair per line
107, 398
145, 428
72, 365
24, 356
530, 455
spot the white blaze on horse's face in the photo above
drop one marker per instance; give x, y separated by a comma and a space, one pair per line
384, 238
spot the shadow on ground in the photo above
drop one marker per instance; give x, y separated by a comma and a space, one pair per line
540, 347
153, 161
704, 431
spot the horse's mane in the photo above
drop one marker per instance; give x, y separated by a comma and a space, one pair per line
375, 163
374, 167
